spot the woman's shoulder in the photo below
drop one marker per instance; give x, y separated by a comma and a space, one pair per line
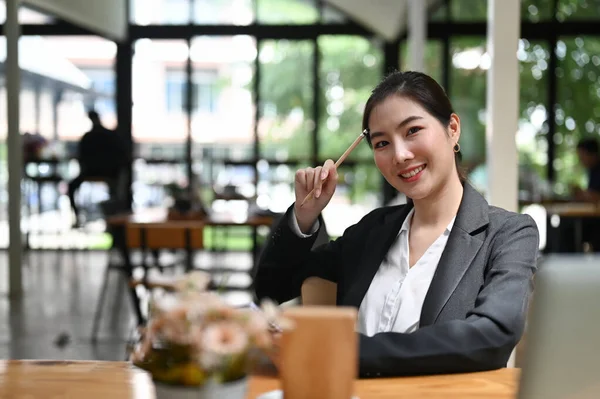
500, 216
512, 228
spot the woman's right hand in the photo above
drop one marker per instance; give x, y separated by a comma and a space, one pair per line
324, 180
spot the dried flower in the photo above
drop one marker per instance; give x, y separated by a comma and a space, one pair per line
225, 338
193, 329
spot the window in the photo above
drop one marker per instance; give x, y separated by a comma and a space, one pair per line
578, 107
287, 11
103, 84
569, 10
204, 91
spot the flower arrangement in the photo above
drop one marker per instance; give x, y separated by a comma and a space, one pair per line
194, 337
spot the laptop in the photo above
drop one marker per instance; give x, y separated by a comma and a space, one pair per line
562, 351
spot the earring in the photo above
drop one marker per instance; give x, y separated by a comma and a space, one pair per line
457, 147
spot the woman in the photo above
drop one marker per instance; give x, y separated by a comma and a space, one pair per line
442, 283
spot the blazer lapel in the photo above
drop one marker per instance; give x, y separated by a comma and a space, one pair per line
461, 248
378, 243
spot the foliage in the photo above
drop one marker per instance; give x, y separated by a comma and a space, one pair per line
354, 65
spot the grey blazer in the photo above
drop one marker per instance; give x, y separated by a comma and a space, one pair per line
474, 311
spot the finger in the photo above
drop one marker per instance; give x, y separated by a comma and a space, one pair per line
331, 182
310, 177
317, 181
328, 167
301, 178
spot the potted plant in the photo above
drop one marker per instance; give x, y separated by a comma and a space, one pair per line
197, 346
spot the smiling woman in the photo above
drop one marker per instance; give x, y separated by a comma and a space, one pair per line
442, 283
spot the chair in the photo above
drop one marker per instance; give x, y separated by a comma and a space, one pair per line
316, 291
178, 235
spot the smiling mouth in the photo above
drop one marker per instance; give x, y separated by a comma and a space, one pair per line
413, 172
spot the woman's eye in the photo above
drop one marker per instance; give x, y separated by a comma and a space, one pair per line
413, 130
381, 144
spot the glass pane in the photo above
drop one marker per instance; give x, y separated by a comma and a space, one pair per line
286, 118
468, 10
531, 136
350, 69
145, 12
438, 12
287, 11
56, 94
227, 12
286, 109
159, 122
536, 10
467, 93
578, 10
578, 108
223, 112
276, 185
433, 59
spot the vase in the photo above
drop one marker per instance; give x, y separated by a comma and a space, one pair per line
211, 390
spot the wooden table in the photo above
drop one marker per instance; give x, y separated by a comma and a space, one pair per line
20, 379
160, 215
498, 384
159, 218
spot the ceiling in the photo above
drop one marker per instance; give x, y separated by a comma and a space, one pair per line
387, 18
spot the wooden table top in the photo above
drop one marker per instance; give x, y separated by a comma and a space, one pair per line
20, 379
160, 216
574, 209
498, 384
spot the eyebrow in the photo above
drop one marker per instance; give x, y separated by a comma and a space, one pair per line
400, 125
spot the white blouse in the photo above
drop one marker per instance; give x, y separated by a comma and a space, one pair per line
395, 297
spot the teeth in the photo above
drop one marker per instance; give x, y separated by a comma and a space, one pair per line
413, 172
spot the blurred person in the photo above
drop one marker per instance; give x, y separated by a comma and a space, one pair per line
588, 153
442, 284
102, 154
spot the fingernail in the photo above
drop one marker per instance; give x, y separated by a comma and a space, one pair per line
317, 192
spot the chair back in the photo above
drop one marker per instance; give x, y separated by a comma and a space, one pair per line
170, 235
316, 291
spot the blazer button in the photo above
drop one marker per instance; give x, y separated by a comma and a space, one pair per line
378, 374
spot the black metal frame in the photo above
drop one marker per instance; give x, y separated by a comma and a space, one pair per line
548, 31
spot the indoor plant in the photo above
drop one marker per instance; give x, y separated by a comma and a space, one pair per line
197, 346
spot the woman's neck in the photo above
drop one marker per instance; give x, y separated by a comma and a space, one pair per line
440, 207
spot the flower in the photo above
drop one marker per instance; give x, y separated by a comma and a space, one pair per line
196, 330
224, 338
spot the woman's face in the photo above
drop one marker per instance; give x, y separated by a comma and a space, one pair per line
412, 149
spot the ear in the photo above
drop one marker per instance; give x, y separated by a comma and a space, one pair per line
454, 128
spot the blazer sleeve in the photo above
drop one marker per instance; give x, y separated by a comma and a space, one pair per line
288, 260
483, 340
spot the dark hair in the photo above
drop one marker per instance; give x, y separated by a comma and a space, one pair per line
589, 145
421, 89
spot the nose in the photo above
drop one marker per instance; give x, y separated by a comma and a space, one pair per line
401, 153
